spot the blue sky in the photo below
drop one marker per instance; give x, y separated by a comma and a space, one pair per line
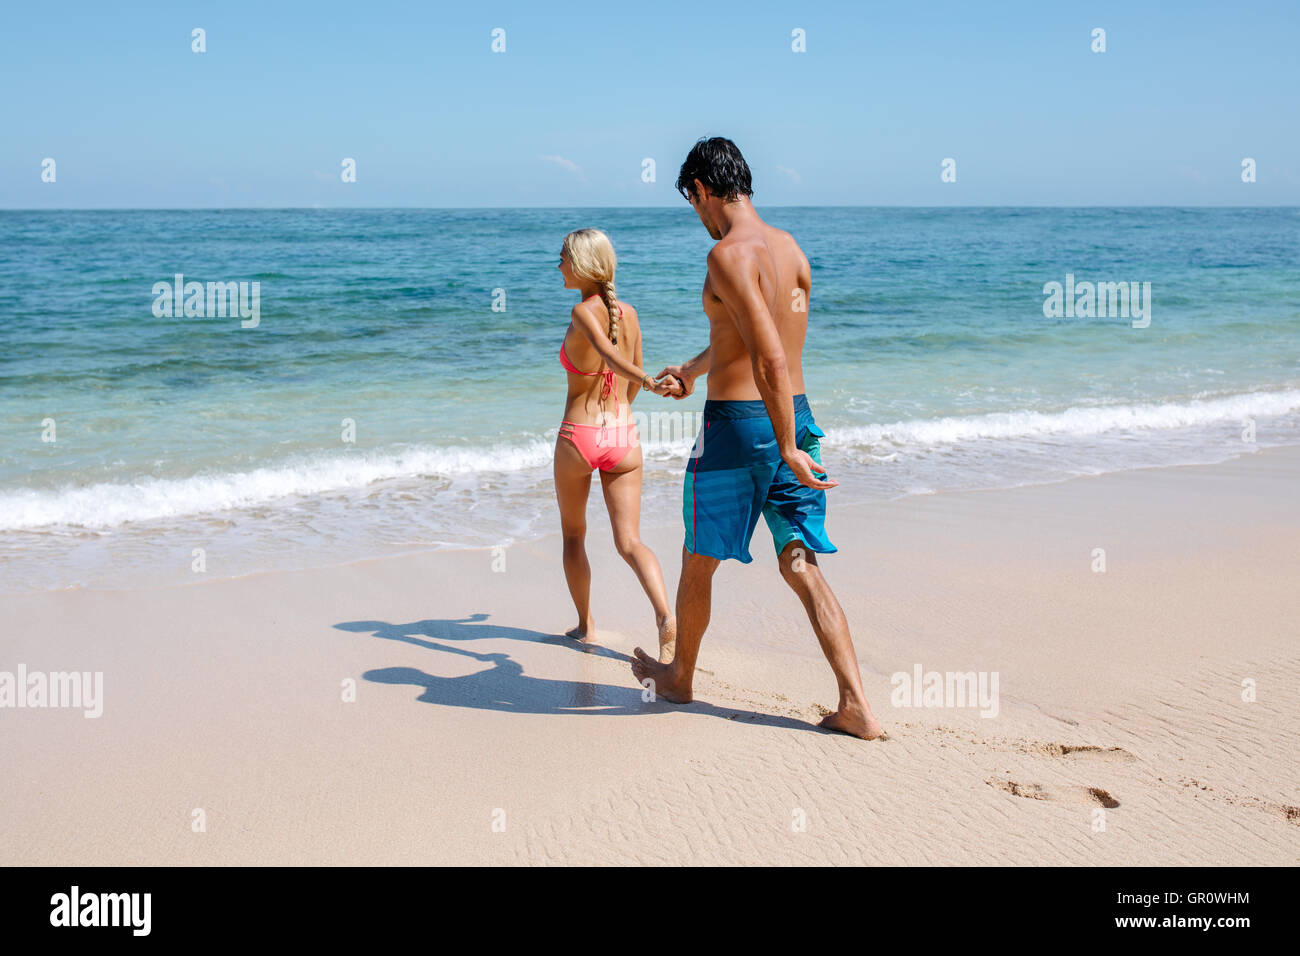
412, 91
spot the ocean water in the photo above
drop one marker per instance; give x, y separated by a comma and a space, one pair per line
930, 363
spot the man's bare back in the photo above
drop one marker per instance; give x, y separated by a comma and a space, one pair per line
784, 281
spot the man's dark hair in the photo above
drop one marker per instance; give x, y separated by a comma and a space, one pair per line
717, 163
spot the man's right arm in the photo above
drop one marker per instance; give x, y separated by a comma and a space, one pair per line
688, 372
699, 365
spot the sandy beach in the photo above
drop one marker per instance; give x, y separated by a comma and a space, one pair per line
478, 735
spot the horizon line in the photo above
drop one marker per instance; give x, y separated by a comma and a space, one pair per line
319, 208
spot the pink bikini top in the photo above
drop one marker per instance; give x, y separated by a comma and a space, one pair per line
607, 386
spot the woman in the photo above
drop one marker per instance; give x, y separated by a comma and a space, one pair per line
603, 341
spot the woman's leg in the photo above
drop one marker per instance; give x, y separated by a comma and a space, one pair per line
622, 488
572, 486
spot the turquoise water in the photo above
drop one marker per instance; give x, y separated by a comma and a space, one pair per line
930, 363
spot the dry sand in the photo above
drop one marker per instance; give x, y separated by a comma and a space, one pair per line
480, 736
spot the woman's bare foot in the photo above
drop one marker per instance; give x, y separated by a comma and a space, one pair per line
854, 719
583, 631
667, 639
663, 677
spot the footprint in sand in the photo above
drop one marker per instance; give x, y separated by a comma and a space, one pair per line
1081, 796
1072, 752
1287, 812
1085, 751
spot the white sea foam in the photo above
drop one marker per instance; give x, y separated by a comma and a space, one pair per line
113, 504
1079, 421
110, 504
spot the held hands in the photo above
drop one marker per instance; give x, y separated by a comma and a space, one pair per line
673, 382
666, 388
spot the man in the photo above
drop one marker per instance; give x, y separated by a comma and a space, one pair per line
758, 451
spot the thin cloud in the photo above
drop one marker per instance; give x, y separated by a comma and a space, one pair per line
790, 172
568, 164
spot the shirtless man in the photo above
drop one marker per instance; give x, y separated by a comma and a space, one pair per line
759, 449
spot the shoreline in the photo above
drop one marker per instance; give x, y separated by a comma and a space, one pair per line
1120, 691
155, 579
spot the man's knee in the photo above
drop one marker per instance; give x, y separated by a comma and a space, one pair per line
799, 565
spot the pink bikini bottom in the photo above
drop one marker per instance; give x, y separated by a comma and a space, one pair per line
603, 446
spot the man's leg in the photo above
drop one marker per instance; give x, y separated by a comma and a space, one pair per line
673, 681
853, 714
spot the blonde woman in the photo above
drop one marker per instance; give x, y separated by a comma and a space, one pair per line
601, 353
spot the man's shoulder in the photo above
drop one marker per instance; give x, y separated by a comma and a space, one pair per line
784, 238
753, 242
732, 251
744, 253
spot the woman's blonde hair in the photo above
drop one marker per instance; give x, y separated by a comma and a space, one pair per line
591, 256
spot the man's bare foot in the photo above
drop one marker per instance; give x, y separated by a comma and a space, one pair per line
665, 682
853, 719
584, 630
667, 640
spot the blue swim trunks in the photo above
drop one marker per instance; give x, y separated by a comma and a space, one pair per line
736, 473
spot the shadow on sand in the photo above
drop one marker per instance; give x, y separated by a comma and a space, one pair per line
505, 687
